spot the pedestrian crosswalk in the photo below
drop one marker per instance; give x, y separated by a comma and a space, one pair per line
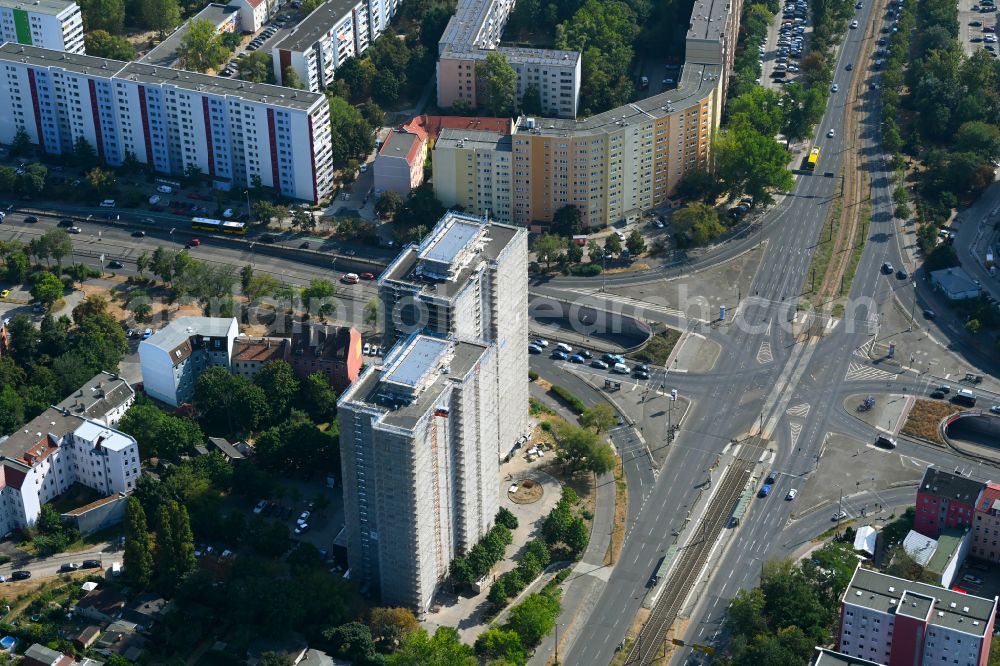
860, 371
764, 354
828, 323
798, 410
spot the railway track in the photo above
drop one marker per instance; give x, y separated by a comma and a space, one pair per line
684, 575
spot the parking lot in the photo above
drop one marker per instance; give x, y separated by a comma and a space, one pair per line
977, 25
264, 41
785, 44
658, 77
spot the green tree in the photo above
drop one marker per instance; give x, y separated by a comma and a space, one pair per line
499, 81
531, 101
260, 285
290, 78
164, 15
352, 641
389, 203
46, 288
753, 164
577, 536
973, 326
103, 44
594, 251
613, 245
318, 398
274, 659
57, 244
278, 381
696, 225
501, 644
547, 249
599, 417
443, 648
567, 221
635, 243
11, 410
17, 267
182, 540
142, 263
21, 145
256, 67
165, 566
106, 15
318, 297
746, 613
578, 448
201, 47
228, 403
506, 518
138, 558
534, 618
32, 182
385, 87
422, 209
358, 75
390, 625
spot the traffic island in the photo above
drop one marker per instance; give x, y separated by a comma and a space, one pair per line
885, 411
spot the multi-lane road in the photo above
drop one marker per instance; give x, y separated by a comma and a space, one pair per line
745, 395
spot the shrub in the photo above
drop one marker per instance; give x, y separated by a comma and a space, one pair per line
574, 403
532, 376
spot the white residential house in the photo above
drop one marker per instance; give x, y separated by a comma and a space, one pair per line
50, 24
66, 445
174, 356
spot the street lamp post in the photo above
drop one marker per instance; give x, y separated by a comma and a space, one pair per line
913, 306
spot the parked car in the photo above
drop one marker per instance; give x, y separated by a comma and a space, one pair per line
20, 575
260, 506
351, 278
532, 349
139, 234
91, 564
303, 517
164, 189
367, 276
70, 566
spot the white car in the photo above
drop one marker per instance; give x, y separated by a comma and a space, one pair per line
832, 133
792, 494
75, 230
364, 168
164, 189
367, 349
839, 515
260, 506
227, 213
304, 518
834, 88
854, 25
155, 199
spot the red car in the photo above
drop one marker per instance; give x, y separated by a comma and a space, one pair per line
194, 242
367, 276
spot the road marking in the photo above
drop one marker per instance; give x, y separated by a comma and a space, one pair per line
799, 410
764, 354
795, 429
860, 371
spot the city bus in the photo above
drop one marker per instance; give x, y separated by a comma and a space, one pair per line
812, 159
224, 226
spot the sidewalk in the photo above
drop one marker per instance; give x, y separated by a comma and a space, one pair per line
584, 587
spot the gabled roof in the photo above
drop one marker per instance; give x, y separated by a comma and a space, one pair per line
989, 499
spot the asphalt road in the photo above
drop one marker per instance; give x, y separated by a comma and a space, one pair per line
118, 243
743, 395
49, 566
